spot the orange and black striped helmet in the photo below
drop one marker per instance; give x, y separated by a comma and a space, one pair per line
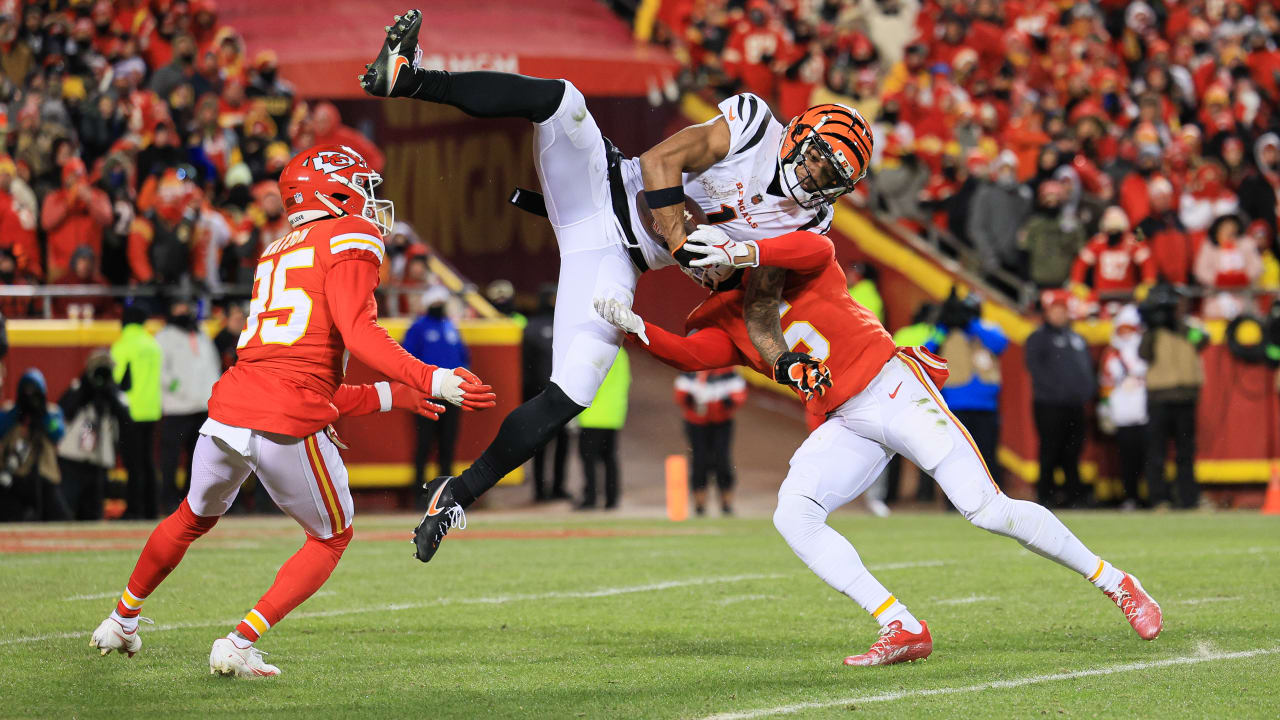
841, 136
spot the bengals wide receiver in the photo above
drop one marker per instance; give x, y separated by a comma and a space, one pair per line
616, 217
270, 413
878, 400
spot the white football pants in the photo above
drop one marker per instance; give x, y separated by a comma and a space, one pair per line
570, 159
901, 411
304, 476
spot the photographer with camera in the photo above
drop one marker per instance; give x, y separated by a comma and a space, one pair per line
95, 414
972, 349
1174, 376
29, 430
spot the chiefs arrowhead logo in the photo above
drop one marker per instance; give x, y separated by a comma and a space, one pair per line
329, 161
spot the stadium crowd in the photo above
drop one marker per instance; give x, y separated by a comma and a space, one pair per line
140, 145
1095, 145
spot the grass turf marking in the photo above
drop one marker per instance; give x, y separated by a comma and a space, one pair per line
1201, 657
391, 607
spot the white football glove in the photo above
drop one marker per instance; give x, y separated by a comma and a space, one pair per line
621, 316
718, 249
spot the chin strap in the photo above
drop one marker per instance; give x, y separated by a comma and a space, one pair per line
337, 211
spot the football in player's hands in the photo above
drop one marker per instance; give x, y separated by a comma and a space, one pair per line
715, 248
621, 316
462, 388
804, 373
405, 397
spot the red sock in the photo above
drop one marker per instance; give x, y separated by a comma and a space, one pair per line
298, 579
162, 553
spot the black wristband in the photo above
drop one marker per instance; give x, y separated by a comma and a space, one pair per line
666, 197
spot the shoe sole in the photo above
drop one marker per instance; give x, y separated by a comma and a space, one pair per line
905, 657
386, 61
229, 669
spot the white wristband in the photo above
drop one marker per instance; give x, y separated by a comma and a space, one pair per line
437, 380
384, 394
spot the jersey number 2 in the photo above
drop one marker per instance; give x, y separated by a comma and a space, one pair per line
271, 295
801, 331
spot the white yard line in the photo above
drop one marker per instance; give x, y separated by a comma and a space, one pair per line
909, 564
391, 607
996, 685
93, 596
1201, 601
966, 600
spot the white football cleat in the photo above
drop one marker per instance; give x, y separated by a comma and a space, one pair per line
227, 659
111, 635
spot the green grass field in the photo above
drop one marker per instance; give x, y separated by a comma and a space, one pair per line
602, 618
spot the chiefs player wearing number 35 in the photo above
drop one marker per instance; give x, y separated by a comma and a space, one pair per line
270, 414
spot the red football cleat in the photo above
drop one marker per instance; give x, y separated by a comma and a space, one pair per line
1142, 611
894, 646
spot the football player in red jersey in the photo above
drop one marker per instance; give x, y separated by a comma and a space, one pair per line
270, 413
880, 400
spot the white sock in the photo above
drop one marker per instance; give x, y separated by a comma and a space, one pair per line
1107, 577
130, 624
239, 642
898, 611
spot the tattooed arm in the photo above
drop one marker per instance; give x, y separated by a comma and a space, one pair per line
760, 311
805, 374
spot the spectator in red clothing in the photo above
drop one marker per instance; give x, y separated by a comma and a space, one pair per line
12, 306
1135, 189
329, 130
1163, 232
17, 224
1118, 261
1206, 197
709, 400
161, 239
84, 272
755, 52
1227, 261
72, 216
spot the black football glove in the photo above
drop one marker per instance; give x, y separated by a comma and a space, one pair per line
802, 372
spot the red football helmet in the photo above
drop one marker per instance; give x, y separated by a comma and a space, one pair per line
333, 181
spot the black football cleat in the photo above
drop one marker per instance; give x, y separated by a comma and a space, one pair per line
391, 74
443, 513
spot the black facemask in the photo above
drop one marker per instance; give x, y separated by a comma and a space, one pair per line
1114, 238
435, 311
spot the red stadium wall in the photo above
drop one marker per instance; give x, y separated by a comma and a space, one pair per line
381, 445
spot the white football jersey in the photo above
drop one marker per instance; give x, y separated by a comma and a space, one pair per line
742, 194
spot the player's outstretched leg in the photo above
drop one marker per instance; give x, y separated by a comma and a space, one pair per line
483, 94
527, 428
162, 553
833, 466
298, 579
802, 522
963, 476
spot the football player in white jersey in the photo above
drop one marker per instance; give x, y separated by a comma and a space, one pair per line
615, 218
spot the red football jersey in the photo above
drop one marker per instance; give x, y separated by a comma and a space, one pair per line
312, 300
817, 314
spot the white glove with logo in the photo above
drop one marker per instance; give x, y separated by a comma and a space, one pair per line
718, 249
621, 316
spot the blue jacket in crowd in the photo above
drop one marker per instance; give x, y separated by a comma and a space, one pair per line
981, 390
436, 341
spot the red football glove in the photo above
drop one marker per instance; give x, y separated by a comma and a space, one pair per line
461, 387
802, 372
404, 397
